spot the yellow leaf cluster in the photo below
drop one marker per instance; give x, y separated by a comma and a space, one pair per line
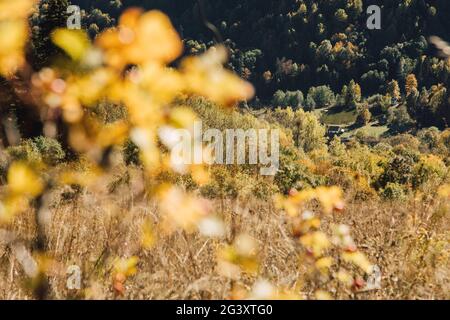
126, 267
13, 34
131, 68
242, 255
329, 197
358, 259
23, 184
181, 209
139, 38
23, 181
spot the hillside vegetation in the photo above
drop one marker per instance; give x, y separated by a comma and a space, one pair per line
358, 208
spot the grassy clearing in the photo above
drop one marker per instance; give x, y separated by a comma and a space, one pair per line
370, 130
339, 117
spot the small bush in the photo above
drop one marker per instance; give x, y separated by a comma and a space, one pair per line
292, 99
405, 140
39, 149
383, 147
429, 168
109, 112
429, 139
400, 169
295, 174
226, 183
399, 119
50, 150
393, 191
24, 152
364, 117
320, 97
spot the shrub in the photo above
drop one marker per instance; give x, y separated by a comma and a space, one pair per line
295, 173
429, 168
363, 161
399, 119
383, 147
227, 183
429, 139
393, 191
50, 150
109, 112
445, 143
289, 171
320, 97
292, 99
364, 117
47, 150
23, 152
400, 168
405, 140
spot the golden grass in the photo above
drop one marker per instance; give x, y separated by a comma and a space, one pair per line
408, 241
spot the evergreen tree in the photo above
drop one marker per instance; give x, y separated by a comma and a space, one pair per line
51, 14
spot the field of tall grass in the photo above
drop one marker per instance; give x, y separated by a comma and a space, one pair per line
408, 241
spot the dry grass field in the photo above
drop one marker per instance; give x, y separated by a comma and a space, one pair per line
408, 241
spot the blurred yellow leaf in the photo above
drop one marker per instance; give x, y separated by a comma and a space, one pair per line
140, 38
15, 9
13, 34
358, 259
324, 264
205, 75
74, 42
126, 267
23, 181
345, 277
317, 242
181, 209
113, 134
